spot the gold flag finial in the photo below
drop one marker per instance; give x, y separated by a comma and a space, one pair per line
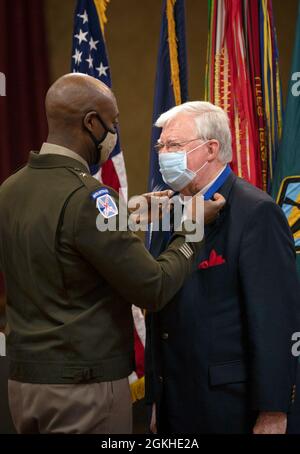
101, 6
173, 52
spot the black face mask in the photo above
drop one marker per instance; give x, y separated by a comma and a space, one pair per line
94, 168
98, 142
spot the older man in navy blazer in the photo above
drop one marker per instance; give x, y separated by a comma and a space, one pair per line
218, 357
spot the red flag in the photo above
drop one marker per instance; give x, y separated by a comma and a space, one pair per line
243, 79
253, 37
229, 79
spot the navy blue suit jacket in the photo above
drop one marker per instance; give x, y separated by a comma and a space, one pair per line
220, 351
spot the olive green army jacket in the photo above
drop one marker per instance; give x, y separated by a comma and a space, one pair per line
69, 286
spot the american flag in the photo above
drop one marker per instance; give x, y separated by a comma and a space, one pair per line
89, 56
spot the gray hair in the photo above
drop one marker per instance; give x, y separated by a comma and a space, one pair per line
211, 121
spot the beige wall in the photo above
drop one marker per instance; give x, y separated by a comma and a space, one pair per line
132, 37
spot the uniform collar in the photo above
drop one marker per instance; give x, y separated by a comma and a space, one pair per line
50, 148
52, 161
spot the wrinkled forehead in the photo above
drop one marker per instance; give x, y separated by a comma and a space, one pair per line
182, 127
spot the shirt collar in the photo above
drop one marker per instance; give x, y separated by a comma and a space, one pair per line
50, 148
206, 188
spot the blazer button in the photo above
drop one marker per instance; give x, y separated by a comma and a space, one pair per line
165, 336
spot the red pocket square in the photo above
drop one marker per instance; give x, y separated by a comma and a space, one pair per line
214, 260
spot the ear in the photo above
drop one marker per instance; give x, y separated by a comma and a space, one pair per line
90, 121
213, 150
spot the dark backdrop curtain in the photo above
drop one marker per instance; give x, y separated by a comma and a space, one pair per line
24, 61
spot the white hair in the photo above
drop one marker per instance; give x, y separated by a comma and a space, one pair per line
212, 122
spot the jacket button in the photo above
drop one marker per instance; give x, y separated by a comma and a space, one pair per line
161, 379
165, 336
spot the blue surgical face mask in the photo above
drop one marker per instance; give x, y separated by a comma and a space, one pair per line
174, 170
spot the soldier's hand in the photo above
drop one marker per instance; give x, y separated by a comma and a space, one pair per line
213, 207
167, 193
160, 202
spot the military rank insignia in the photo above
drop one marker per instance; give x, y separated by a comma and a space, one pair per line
289, 201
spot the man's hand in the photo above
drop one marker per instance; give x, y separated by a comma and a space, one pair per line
153, 427
213, 207
167, 193
143, 215
269, 423
163, 201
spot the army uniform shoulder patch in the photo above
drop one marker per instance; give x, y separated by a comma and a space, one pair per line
289, 200
105, 203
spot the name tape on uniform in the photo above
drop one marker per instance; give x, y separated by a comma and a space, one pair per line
98, 193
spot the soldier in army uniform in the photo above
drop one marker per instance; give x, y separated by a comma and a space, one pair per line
70, 287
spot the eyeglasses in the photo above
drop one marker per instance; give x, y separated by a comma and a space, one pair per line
171, 145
